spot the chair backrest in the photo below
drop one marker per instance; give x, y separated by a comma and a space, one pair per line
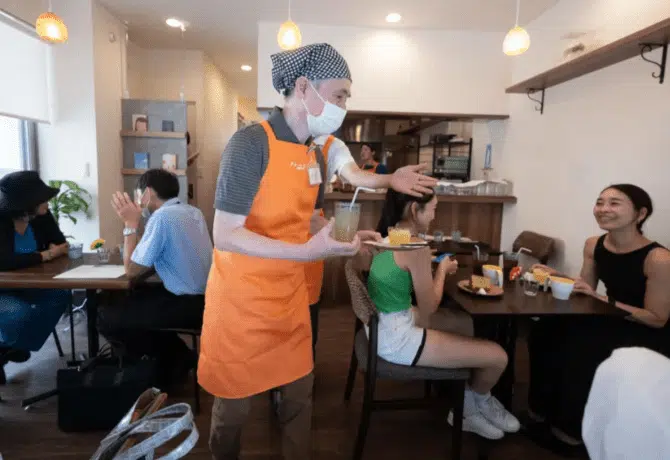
542, 246
361, 302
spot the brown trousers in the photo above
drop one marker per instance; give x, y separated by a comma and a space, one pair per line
295, 418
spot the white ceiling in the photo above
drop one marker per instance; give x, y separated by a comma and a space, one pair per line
227, 30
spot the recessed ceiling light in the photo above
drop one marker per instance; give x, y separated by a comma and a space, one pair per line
174, 22
393, 17
246, 68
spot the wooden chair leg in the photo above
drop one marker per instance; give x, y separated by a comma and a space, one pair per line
196, 387
58, 345
457, 435
351, 378
368, 398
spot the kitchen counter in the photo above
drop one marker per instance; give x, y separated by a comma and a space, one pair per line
367, 196
477, 217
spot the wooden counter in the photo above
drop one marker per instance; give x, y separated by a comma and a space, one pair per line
477, 217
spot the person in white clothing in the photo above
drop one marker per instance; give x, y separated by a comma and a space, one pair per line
627, 416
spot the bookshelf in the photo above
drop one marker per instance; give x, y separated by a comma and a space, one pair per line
165, 126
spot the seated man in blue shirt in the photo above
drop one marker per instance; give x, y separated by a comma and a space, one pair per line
175, 242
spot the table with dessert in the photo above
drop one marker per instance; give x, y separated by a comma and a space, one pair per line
502, 298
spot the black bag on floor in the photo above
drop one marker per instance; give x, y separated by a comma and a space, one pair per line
95, 395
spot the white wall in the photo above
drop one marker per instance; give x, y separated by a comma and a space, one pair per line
419, 71
607, 127
158, 74
28, 10
108, 73
220, 104
68, 147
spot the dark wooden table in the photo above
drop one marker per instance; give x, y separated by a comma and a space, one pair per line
514, 305
42, 277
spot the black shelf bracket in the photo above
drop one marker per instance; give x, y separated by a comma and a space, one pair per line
649, 47
539, 102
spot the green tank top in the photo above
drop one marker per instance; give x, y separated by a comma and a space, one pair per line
390, 286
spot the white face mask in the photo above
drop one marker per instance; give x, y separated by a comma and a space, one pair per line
328, 121
140, 197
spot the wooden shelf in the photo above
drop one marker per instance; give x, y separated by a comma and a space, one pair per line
166, 135
605, 56
139, 172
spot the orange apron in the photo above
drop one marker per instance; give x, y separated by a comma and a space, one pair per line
314, 270
256, 331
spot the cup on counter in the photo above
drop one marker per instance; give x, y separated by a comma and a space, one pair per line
494, 273
103, 255
346, 221
438, 236
561, 288
456, 236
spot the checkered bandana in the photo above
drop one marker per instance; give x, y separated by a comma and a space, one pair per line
319, 61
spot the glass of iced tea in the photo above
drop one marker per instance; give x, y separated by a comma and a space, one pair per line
346, 221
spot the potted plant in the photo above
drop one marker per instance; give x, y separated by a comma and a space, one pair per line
70, 200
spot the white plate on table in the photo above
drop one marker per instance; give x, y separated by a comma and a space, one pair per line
415, 243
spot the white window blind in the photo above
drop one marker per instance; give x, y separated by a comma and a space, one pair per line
23, 80
11, 152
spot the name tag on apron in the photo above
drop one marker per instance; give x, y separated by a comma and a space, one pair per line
314, 174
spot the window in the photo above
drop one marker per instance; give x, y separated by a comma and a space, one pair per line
11, 151
18, 144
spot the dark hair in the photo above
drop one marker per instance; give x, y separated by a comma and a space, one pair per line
395, 207
638, 197
375, 155
163, 182
188, 138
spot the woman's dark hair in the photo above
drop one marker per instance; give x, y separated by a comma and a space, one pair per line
163, 182
375, 155
638, 197
395, 207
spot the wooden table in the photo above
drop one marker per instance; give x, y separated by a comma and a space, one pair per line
513, 305
42, 277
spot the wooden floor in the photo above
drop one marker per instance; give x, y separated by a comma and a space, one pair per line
419, 435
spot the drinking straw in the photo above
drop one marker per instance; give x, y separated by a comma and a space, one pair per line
358, 189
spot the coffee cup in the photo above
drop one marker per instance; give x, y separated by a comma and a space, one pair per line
494, 273
561, 288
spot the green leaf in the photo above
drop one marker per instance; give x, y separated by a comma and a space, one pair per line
73, 219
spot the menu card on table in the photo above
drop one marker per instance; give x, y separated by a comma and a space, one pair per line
93, 272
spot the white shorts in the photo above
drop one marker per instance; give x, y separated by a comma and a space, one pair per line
400, 341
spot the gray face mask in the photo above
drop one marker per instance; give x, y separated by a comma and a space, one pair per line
145, 209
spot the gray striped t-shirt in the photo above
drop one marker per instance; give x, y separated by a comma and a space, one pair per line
245, 160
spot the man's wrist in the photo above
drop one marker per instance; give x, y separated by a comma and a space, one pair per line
131, 224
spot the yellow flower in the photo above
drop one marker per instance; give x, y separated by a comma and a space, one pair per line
97, 243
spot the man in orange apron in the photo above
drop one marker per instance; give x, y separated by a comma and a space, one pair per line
256, 327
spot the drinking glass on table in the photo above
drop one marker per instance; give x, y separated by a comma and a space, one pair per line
479, 259
531, 286
347, 217
103, 255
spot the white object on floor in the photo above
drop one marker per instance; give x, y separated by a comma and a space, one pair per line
93, 272
626, 416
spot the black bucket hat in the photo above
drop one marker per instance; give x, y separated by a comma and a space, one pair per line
24, 191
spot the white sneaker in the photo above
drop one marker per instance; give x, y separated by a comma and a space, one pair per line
478, 424
499, 417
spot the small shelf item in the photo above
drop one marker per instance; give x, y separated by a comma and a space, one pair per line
639, 43
139, 172
168, 135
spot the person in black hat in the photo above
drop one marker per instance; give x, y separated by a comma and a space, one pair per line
29, 235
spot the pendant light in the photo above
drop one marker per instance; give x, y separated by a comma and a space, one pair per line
517, 40
289, 36
50, 27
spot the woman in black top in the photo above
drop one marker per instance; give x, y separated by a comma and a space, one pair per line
564, 353
29, 235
